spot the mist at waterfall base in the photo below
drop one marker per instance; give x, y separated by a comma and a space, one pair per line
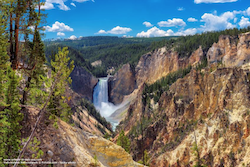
101, 103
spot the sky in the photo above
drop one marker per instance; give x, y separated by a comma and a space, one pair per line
142, 18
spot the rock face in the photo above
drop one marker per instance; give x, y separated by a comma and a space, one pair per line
231, 51
83, 82
123, 83
150, 68
156, 65
70, 144
214, 104
210, 106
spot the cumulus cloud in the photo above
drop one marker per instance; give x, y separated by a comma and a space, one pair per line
49, 4
214, 22
172, 23
248, 11
213, 1
116, 30
58, 27
73, 4
191, 19
180, 9
147, 24
155, 32
102, 32
72, 37
244, 22
190, 31
60, 34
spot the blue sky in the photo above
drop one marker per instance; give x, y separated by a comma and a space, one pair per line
142, 18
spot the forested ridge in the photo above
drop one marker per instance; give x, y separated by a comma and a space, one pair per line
115, 51
112, 51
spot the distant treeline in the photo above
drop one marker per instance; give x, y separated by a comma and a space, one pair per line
115, 51
112, 51
188, 44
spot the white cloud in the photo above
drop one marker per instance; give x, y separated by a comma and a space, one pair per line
147, 24
213, 1
58, 27
83, 0
214, 22
190, 31
235, 20
102, 32
117, 30
155, 32
120, 30
248, 11
191, 19
49, 4
244, 22
172, 23
73, 4
60, 34
72, 37
180, 9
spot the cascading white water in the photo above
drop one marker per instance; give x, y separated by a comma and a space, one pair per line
100, 100
101, 93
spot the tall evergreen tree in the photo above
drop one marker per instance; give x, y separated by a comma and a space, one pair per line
23, 16
14, 117
55, 85
123, 141
58, 101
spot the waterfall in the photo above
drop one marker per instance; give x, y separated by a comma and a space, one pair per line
101, 103
101, 93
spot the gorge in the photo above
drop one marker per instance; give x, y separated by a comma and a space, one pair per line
205, 101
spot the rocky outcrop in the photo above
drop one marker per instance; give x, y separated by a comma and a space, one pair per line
196, 57
71, 144
83, 82
123, 83
155, 65
212, 104
231, 51
150, 68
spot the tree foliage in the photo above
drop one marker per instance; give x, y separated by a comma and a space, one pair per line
10, 117
61, 69
123, 141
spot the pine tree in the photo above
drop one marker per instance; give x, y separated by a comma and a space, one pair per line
8, 106
62, 68
13, 115
123, 141
58, 102
22, 16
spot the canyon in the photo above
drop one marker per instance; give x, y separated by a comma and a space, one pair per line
207, 108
